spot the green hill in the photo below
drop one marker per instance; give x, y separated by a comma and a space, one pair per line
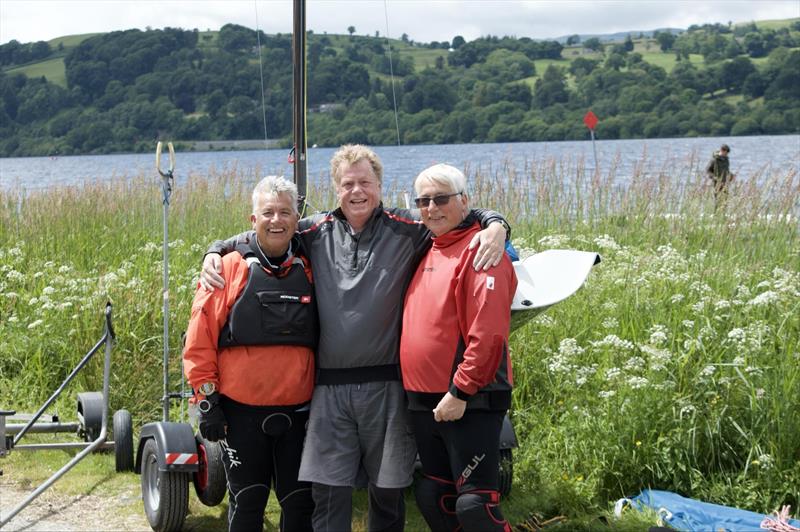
119, 91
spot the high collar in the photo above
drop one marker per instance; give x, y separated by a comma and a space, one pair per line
454, 235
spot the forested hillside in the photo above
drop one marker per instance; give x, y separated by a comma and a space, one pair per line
121, 91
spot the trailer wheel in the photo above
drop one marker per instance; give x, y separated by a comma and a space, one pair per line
90, 414
209, 482
506, 472
123, 441
165, 493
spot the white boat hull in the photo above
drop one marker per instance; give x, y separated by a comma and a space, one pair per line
547, 278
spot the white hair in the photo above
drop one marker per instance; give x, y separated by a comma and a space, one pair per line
273, 185
442, 174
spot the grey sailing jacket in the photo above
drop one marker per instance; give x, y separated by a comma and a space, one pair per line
360, 282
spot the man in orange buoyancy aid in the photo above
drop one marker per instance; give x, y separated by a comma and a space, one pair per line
249, 356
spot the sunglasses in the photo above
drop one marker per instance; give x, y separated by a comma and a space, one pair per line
440, 200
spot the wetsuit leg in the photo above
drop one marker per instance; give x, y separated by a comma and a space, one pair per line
387, 509
293, 495
436, 499
479, 511
435, 492
333, 507
247, 467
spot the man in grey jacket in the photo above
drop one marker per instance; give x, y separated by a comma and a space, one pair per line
362, 258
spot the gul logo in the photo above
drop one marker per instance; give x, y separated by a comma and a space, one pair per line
476, 461
490, 282
305, 299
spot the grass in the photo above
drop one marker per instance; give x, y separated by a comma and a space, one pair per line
53, 69
676, 367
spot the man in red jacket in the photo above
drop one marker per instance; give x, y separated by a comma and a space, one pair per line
455, 362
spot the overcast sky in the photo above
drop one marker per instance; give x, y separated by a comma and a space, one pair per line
422, 20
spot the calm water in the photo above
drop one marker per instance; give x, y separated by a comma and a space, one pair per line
749, 156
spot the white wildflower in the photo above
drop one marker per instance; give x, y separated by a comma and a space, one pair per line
38, 274
554, 241
612, 340
64, 269
606, 394
688, 324
47, 290
15, 276
736, 334
609, 306
677, 298
610, 323
763, 299
722, 304
708, 371
634, 364
569, 347
613, 373
33, 301
606, 242
34, 324
760, 393
754, 371
699, 307
13, 319
637, 382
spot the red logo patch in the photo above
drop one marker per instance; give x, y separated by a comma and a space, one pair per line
305, 299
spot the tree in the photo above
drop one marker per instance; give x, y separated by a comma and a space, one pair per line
593, 44
573, 39
551, 88
735, 71
458, 42
351, 30
665, 40
628, 44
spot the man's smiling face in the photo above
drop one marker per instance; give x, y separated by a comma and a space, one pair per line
359, 192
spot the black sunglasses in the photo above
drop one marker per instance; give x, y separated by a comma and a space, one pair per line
440, 200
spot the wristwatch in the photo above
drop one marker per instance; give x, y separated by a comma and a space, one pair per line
207, 388
204, 405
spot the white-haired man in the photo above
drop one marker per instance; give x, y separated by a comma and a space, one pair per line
455, 362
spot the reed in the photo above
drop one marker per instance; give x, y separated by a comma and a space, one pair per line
677, 366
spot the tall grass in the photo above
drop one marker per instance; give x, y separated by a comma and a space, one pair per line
677, 366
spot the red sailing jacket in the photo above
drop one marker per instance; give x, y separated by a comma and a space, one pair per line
274, 375
456, 325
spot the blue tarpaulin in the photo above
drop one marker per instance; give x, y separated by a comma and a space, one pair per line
690, 515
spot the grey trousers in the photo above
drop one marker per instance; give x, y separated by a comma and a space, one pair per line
333, 508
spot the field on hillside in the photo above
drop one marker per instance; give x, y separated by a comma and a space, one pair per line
677, 365
52, 69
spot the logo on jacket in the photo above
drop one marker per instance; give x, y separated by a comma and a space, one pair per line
490, 282
305, 299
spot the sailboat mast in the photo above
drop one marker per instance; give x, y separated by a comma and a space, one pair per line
299, 99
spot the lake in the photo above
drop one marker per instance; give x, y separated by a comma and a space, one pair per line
750, 156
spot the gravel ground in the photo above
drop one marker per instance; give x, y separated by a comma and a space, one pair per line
57, 512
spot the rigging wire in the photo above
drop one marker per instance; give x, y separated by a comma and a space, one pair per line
391, 70
261, 75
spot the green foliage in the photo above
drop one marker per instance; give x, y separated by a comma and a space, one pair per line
122, 89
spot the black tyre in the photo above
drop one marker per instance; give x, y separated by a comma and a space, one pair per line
90, 414
209, 482
123, 441
165, 493
506, 472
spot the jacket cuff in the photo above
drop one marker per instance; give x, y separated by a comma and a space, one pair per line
459, 393
503, 223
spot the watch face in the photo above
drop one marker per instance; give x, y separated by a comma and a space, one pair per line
207, 388
204, 406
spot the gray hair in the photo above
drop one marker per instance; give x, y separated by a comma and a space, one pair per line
271, 186
442, 174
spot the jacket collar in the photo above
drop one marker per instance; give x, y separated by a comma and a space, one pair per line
457, 233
